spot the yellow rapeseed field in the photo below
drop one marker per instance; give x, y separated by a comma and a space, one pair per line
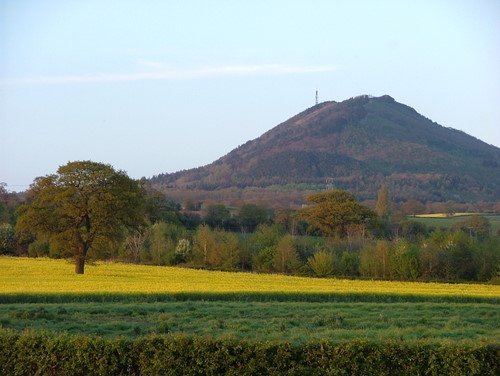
47, 276
444, 215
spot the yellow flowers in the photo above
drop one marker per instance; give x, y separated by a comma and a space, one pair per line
32, 276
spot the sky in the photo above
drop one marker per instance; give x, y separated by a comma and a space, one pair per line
159, 86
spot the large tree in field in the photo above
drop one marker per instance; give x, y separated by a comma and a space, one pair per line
83, 204
333, 212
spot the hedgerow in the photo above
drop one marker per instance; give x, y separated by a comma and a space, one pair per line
67, 297
38, 353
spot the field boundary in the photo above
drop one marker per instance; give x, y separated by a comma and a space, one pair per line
40, 353
241, 296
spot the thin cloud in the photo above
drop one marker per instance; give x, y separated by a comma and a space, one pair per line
171, 74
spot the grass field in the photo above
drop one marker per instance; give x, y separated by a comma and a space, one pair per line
296, 322
114, 299
442, 221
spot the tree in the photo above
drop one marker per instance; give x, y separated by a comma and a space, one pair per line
7, 239
159, 207
285, 259
334, 211
322, 263
404, 261
412, 207
216, 248
134, 245
83, 204
382, 205
475, 225
8, 204
228, 250
287, 220
250, 216
348, 264
204, 245
217, 216
162, 245
460, 257
374, 260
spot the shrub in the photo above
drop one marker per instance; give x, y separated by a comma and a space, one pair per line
31, 353
7, 239
322, 263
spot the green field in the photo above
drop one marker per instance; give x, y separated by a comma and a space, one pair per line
449, 222
114, 299
145, 320
295, 322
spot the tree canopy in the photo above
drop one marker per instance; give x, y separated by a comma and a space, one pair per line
83, 204
332, 212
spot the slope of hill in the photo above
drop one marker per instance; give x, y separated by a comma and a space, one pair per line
357, 145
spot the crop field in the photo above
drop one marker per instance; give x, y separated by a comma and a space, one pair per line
144, 320
114, 299
22, 279
442, 221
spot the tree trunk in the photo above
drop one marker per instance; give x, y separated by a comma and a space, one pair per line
79, 264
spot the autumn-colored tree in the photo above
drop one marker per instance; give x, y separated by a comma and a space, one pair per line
83, 204
412, 207
216, 248
286, 218
333, 211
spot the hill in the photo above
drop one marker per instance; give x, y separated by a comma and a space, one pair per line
356, 145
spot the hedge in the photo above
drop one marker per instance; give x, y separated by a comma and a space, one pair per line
12, 298
38, 353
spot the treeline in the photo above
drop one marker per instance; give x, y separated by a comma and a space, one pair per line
418, 253
333, 236
439, 255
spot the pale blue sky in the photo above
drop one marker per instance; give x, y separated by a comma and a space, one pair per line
159, 86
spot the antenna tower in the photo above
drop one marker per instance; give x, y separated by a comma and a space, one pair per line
316, 97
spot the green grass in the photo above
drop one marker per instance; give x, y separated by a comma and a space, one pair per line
451, 221
113, 299
296, 322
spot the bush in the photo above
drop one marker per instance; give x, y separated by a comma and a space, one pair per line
322, 263
38, 249
32, 353
7, 239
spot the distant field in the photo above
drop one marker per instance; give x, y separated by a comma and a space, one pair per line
445, 215
114, 299
441, 221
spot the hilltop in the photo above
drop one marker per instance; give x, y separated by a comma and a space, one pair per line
357, 145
